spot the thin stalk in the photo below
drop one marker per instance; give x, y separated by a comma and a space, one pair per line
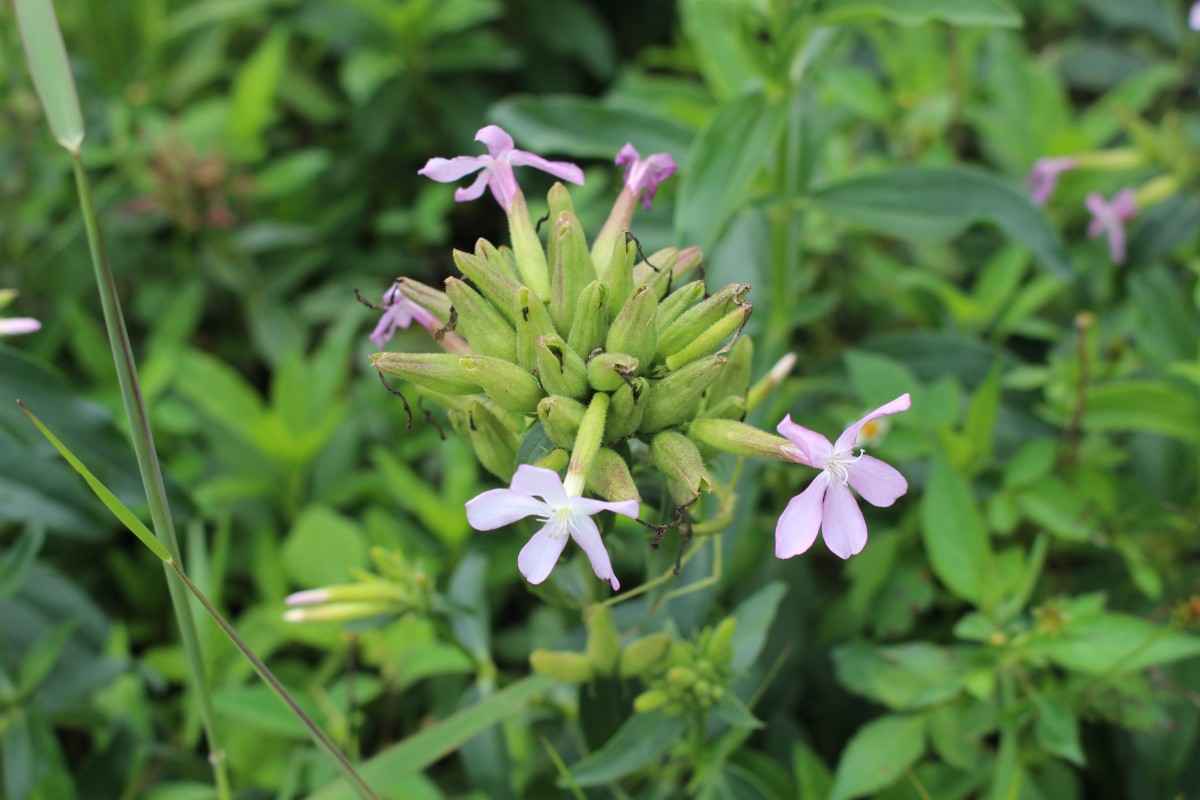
147, 458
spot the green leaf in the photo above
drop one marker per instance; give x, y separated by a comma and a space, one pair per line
731, 709
119, 509
259, 708
939, 203
586, 128
878, 754
980, 425
717, 33
1114, 643
754, 618
420, 750
51, 71
322, 548
14, 567
902, 677
43, 655
995, 13
813, 778
1057, 731
878, 379
640, 741
954, 535
726, 158
1143, 405
252, 104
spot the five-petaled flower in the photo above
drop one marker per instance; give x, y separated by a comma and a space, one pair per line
643, 175
827, 504
495, 168
399, 312
538, 492
1109, 218
1043, 178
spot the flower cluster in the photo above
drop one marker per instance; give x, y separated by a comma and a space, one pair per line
617, 366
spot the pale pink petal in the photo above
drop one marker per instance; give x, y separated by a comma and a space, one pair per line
643, 177
14, 326
627, 155
587, 535
798, 524
499, 507
845, 530
814, 447
1109, 218
496, 138
1124, 205
849, 436
545, 483
879, 483
586, 505
395, 316
539, 555
1116, 243
448, 170
564, 170
1043, 178
475, 190
1194, 17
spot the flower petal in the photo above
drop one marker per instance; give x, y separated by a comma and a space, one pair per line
814, 447
13, 326
448, 170
628, 154
586, 505
587, 535
499, 507
496, 138
878, 482
396, 316
798, 524
539, 555
475, 190
845, 530
850, 435
563, 170
545, 483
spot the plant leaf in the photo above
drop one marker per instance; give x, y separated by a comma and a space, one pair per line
995, 13
641, 740
878, 754
50, 69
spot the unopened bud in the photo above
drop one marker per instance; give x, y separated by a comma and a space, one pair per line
734, 380
432, 300
561, 665
677, 302
689, 259
609, 477
633, 330
656, 271
619, 275
720, 646
709, 341
561, 417
338, 612
677, 457
589, 325
558, 200
625, 410
675, 398
650, 700
739, 439
532, 268
681, 677
501, 258
533, 321
730, 408
369, 591
560, 368
485, 329
587, 443
495, 444
603, 643
571, 269
759, 392
699, 318
438, 372
509, 386
643, 653
554, 461
493, 284
607, 372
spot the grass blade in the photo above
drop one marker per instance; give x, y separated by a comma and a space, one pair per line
50, 70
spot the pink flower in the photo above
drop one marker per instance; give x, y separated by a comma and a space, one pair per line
399, 312
827, 503
495, 169
643, 176
1043, 178
1109, 218
12, 326
565, 514
1194, 17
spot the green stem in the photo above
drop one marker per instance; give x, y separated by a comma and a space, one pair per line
147, 458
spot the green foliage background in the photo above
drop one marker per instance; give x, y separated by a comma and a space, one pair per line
1018, 626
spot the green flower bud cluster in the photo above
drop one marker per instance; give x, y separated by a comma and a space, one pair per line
397, 587
603, 656
620, 347
692, 677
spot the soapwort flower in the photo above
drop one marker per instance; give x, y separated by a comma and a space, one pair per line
399, 312
827, 504
1109, 218
1043, 178
538, 492
495, 168
643, 175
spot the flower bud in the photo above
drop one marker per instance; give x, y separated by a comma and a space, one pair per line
681, 677
501, 258
376, 591
619, 275
759, 391
733, 408
438, 372
735, 378
641, 654
656, 271
677, 457
485, 328
571, 269
650, 700
677, 302
339, 612
607, 372
603, 643
432, 300
561, 665
689, 259
720, 646
699, 318
509, 386
560, 368
625, 410
633, 330
558, 200
555, 460
589, 325
532, 268
609, 477
495, 445
711, 339
561, 417
739, 439
498, 288
532, 321
587, 443
675, 398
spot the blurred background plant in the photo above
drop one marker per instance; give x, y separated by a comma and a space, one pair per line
1017, 627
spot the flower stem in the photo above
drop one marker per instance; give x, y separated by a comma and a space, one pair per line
147, 458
